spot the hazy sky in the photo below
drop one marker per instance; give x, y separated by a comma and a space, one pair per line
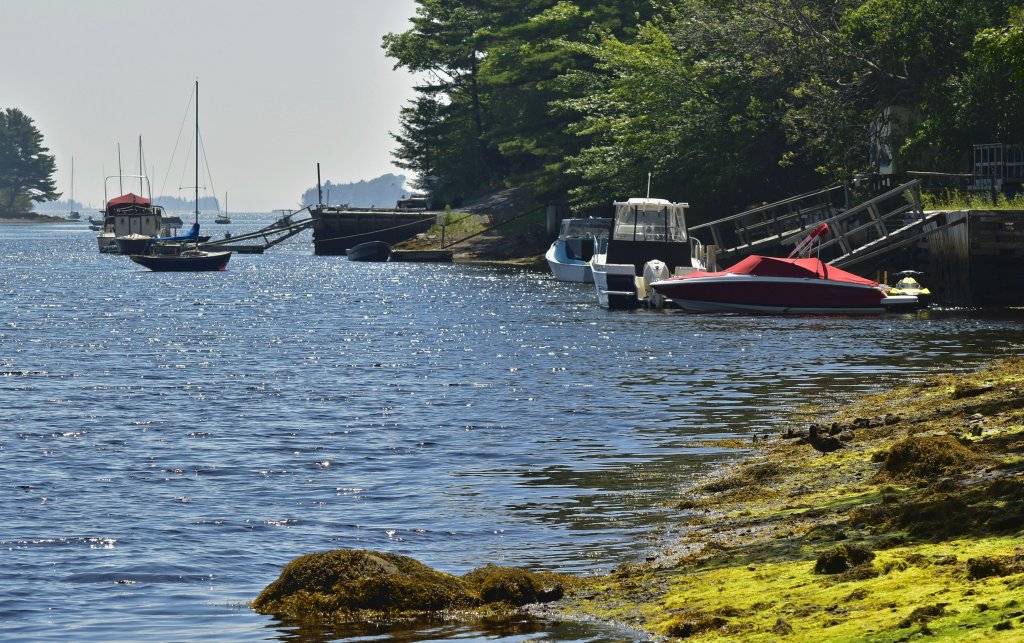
283, 84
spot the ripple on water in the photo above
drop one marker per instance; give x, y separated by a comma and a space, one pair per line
178, 438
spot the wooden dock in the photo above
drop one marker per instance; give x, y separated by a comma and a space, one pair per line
978, 259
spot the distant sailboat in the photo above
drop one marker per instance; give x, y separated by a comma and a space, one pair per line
223, 217
73, 214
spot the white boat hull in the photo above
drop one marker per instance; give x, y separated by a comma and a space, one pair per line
734, 293
615, 284
565, 268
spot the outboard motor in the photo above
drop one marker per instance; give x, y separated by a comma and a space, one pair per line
654, 270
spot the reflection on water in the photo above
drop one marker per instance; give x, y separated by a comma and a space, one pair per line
172, 440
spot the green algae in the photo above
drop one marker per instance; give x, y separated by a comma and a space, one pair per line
929, 485
351, 580
355, 586
922, 507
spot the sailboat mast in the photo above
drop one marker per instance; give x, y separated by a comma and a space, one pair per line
197, 151
142, 192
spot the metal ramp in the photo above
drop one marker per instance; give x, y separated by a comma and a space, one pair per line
269, 236
763, 230
887, 222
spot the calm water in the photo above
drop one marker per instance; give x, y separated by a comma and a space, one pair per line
172, 440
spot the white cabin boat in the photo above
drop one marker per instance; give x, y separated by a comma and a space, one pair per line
569, 255
129, 215
648, 242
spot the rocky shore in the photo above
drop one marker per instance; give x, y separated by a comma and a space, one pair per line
895, 518
909, 524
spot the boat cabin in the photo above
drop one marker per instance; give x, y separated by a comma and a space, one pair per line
646, 228
132, 214
579, 236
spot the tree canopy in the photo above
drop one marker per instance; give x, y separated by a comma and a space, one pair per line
26, 170
725, 103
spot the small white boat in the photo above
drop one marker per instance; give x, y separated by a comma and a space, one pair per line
569, 256
648, 241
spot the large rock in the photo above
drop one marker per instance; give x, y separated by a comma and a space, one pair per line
350, 580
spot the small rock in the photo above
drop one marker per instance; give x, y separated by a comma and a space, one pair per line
891, 419
782, 627
549, 594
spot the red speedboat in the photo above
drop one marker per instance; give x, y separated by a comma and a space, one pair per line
775, 285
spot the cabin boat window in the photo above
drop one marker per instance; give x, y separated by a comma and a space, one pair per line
650, 222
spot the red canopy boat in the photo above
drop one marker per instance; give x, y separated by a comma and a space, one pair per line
776, 285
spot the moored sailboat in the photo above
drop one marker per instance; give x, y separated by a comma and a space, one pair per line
173, 258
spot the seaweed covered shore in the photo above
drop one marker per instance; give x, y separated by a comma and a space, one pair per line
894, 518
903, 520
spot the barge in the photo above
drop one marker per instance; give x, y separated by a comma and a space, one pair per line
338, 228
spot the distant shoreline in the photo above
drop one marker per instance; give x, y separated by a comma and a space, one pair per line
41, 218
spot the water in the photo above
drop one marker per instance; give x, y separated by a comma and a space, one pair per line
172, 440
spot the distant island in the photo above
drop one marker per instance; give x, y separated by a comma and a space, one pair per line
382, 192
169, 203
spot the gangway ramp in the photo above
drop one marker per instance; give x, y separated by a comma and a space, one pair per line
882, 224
269, 236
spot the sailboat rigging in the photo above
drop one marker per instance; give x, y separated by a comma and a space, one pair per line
73, 214
181, 258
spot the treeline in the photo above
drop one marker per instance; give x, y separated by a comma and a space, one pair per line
176, 204
382, 192
725, 103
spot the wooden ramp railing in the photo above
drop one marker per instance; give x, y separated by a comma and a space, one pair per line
868, 230
764, 228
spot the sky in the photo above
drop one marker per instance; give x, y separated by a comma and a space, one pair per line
283, 85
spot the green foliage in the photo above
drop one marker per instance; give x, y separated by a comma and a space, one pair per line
724, 103
955, 200
26, 170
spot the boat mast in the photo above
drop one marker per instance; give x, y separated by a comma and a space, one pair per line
197, 151
72, 208
141, 190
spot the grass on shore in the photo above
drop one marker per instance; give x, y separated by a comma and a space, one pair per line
958, 200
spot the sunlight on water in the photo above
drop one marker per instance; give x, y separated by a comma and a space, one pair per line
172, 440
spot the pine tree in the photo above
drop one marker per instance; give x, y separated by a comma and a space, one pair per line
26, 169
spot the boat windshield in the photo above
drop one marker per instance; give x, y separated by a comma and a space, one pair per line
585, 228
650, 220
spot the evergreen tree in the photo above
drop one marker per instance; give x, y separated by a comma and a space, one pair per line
26, 170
